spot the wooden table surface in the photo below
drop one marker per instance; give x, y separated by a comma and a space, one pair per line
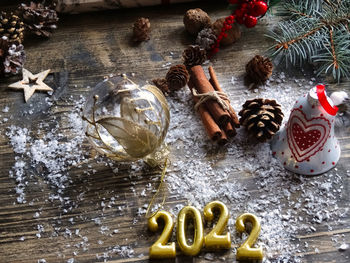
97, 216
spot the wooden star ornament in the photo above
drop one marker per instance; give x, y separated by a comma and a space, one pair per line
31, 83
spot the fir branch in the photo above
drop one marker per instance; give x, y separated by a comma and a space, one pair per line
334, 55
296, 12
307, 8
333, 5
326, 58
286, 44
316, 31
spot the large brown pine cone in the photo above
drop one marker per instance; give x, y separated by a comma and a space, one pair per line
259, 69
38, 19
142, 29
262, 118
194, 55
11, 26
177, 77
12, 57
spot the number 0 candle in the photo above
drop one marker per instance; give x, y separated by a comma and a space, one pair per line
186, 213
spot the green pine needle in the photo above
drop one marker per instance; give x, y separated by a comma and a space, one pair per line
316, 31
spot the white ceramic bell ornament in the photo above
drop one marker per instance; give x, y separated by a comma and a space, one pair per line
307, 144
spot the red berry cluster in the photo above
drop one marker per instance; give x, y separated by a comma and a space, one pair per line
226, 26
248, 10
247, 13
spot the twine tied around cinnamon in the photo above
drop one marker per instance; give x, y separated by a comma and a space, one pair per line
219, 96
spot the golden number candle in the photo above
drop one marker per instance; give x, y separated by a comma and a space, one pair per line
246, 251
215, 239
186, 213
160, 249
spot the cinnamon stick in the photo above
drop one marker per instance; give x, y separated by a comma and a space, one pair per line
230, 130
210, 125
202, 85
214, 81
223, 140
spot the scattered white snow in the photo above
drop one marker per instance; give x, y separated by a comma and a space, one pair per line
244, 176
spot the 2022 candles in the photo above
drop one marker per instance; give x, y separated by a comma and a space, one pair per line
216, 239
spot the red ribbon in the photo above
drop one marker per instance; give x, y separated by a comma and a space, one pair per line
324, 102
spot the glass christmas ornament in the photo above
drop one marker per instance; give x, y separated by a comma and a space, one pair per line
126, 122
307, 144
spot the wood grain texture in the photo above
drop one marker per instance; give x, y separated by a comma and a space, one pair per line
83, 50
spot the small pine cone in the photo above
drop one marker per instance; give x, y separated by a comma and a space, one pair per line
11, 27
194, 55
38, 19
206, 38
262, 118
259, 69
142, 29
161, 84
15, 59
177, 77
195, 20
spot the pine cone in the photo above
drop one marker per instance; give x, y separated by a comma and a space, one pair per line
12, 57
11, 27
194, 55
142, 29
195, 20
161, 84
262, 118
206, 38
38, 19
259, 69
233, 34
177, 77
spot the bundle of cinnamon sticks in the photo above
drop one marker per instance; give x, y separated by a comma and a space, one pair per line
220, 121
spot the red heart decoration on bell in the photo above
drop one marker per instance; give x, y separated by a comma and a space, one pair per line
307, 145
305, 137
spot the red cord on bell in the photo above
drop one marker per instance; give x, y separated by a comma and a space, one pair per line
320, 89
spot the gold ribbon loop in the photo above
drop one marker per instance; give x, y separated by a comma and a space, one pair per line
160, 187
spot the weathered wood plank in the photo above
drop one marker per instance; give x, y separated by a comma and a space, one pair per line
83, 50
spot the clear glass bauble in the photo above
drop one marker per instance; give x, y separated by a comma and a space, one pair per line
126, 122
